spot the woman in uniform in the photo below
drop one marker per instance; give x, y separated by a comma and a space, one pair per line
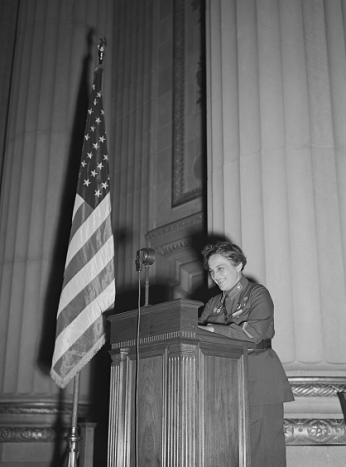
244, 310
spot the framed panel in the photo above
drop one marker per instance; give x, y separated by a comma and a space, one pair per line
188, 101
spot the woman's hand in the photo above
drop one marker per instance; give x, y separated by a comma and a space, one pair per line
208, 327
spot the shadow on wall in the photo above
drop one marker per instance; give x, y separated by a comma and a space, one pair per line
56, 275
126, 300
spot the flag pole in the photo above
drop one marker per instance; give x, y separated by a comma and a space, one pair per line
74, 437
101, 49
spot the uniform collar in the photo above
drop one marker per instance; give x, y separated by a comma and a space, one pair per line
237, 288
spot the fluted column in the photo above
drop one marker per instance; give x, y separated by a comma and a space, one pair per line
45, 124
276, 163
120, 414
181, 407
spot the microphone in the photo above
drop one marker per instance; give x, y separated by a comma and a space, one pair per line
144, 256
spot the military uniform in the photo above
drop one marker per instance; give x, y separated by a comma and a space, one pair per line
246, 312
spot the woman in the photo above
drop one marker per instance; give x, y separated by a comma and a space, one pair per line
244, 310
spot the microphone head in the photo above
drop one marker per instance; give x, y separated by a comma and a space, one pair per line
148, 256
145, 256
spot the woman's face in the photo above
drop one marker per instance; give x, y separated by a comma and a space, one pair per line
223, 272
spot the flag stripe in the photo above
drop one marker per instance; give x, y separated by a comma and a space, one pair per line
79, 215
78, 355
83, 321
88, 250
77, 203
85, 297
88, 227
87, 273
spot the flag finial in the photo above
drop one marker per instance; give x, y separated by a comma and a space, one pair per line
101, 49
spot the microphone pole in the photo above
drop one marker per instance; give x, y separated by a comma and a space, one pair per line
145, 257
146, 282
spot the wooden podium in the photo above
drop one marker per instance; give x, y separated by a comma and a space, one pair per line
185, 403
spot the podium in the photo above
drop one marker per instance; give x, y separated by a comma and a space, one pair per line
178, 394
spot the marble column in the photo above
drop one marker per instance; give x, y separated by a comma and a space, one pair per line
54, 54
276, 86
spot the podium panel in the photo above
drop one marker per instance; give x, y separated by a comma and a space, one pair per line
178, 393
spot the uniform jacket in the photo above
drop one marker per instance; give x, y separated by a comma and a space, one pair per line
246, 312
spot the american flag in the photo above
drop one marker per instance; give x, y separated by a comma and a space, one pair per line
89, 284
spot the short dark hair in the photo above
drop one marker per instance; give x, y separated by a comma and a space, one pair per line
229, 250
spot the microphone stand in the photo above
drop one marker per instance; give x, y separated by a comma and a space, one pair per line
146, 290
144, 257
